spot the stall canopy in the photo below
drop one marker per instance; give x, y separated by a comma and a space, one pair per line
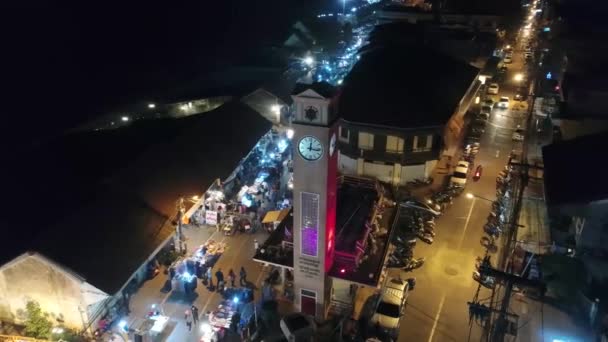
275, 216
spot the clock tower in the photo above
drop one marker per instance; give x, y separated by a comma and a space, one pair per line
314, 195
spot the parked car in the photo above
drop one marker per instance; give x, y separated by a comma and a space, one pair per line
503, 103
518, 135
488, 102
493, 89
459, 177
508, 59
391, 305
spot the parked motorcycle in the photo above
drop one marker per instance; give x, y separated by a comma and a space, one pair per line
485, 281
414, 264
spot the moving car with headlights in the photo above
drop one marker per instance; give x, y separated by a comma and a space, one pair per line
493, 89
390, 306
503, 103
459, 177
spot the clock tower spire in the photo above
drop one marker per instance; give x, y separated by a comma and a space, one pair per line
314, 192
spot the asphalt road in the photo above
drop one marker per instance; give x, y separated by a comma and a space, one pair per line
437, 309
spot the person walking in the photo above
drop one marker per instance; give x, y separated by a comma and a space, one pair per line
210, 277
188, 319
194, 311
256, 245
243, 277
232, 277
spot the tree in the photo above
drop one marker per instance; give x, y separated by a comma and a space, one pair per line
37, 323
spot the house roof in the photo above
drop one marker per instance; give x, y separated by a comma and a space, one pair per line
565, 165
322, 88
105, 195
404, 88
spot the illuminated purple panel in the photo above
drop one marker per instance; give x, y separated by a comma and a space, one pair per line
310, 224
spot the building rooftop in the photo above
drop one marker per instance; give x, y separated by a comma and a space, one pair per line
354, 208
565, 165
278, 248
108, 195
404, 88
322, 88
370, 269
463, 7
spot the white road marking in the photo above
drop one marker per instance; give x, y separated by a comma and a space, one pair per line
437, 318
466, 224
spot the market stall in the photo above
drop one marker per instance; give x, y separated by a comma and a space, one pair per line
184, 271
273, 218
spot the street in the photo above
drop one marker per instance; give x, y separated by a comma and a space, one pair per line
437, 309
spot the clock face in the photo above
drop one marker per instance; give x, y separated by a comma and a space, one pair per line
310, 148
332, 144
311, 113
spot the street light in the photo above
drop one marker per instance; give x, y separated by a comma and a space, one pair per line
290, 133
308, 60
151, 105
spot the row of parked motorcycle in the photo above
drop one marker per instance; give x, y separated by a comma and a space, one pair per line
494, 227
416, 222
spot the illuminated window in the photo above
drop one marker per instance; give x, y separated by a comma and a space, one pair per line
366, 141
310, 224
394, 144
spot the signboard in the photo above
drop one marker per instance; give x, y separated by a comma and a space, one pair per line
211, 217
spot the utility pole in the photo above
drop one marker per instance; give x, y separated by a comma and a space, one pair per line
178, 226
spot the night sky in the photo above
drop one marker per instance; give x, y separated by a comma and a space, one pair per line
64, 64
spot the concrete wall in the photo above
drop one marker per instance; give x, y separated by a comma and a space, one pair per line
347, 165
394, 173
31, 278
411, 172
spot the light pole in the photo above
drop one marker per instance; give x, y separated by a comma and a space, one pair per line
343, 7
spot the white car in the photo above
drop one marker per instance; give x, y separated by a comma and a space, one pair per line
391, 305
493, 89
503, 103
518, 135
508, 59
459, 178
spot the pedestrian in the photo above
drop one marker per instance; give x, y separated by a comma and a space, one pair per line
256, 245
220, 279
188, 319
210, 277
194, 311
231, 276
243, 277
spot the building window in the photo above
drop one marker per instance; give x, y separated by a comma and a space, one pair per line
366, 141
394, 144
309, 241
344, 134
423, 143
